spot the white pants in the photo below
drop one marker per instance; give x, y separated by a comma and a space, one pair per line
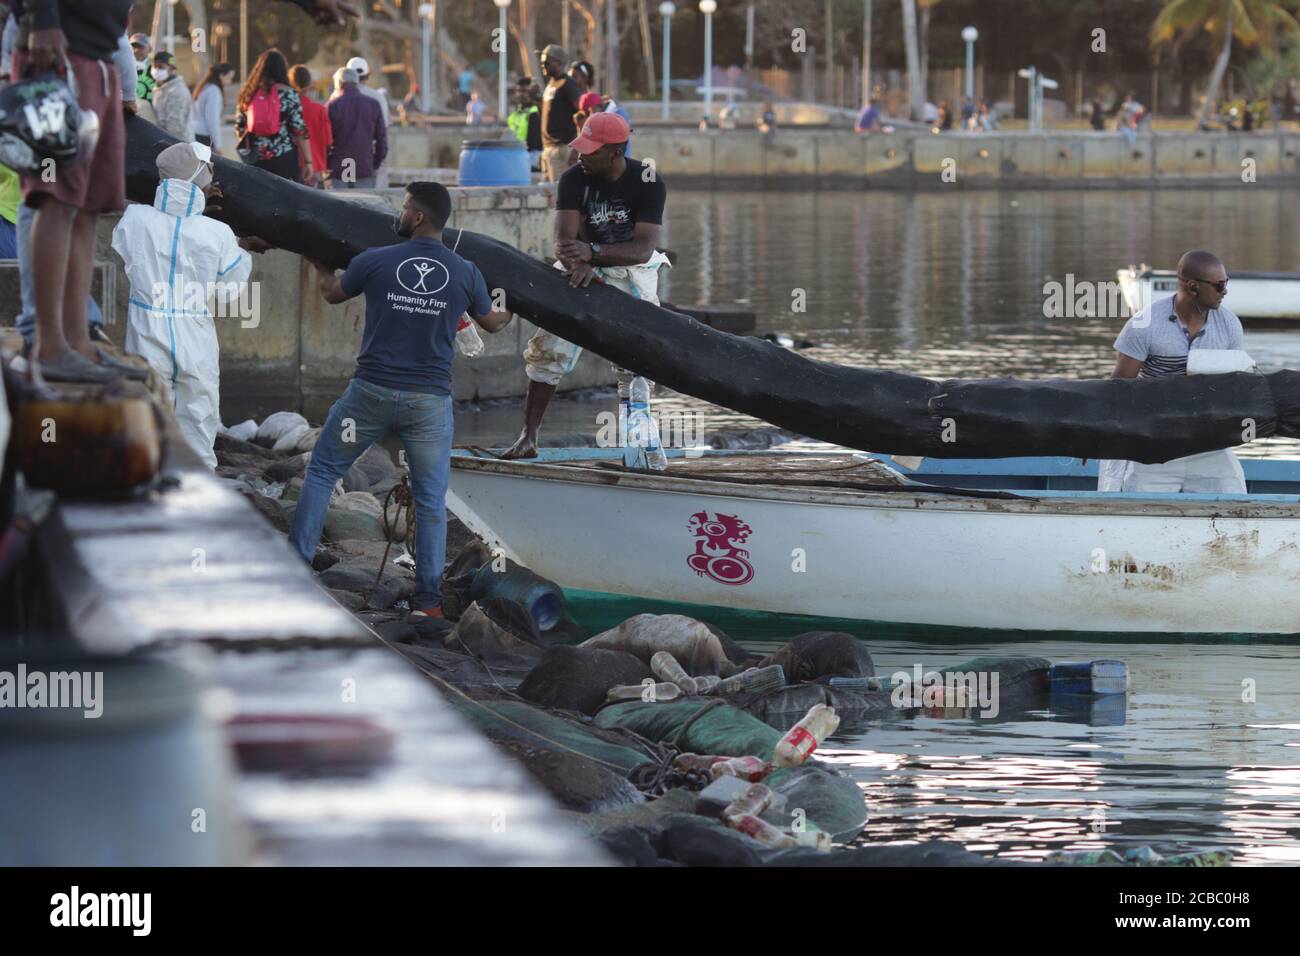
182, 351
1211, 472
548, 358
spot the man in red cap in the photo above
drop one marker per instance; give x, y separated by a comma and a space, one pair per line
609, 212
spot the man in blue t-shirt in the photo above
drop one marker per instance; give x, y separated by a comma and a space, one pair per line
416, 292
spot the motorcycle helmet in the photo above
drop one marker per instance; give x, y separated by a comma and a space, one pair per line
40, 121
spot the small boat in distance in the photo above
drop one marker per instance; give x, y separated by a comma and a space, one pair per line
972, 547
1260, 298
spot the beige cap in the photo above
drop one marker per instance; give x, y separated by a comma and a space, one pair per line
191, 162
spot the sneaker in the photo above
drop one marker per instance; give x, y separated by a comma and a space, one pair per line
74, 367
429, 613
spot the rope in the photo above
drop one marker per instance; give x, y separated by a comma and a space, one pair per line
401, 493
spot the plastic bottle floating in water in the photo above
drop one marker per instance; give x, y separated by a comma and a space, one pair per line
805, 737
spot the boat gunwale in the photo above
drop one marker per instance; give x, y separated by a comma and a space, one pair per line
904, 498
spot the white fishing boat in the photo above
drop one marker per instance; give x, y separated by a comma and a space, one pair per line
1004, 545
1253, 296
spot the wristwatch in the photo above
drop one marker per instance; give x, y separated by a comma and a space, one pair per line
595, 248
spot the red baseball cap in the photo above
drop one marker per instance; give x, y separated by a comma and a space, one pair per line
590, 101
601, 129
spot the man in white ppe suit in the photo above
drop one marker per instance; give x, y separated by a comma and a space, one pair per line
1157, 341
178, 261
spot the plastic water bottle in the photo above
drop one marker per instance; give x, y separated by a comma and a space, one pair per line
755, 680
752, 769
467, 339
642, 433
695, 763
752, 802
664, 666
805, 737
760, 830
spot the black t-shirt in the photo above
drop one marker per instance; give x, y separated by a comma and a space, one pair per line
559, 103
535, 130
611, 210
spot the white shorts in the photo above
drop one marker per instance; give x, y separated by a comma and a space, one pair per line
1209, 473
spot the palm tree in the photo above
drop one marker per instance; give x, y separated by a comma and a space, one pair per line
1253, 22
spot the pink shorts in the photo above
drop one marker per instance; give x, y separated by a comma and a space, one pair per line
98, 185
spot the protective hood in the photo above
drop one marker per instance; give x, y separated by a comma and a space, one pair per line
178, 198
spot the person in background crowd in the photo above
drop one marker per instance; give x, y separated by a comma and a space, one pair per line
403, 380
868, 120
767, 120
363, 74
173, 247
269, 122
141, 46
729, 115
559, 103
988, 119
412, 103
85, 38
584, 74
11, 196
1097, 118
464, 86
360, 134
320, 132
967, 111
210, 105
474, 110
525, 120
945, 117
171, 98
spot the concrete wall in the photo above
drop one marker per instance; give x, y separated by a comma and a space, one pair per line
302, 351
809, 157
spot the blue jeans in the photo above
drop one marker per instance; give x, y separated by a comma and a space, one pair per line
27, 317
423, 423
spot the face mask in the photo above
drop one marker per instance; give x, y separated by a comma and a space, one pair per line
160, 75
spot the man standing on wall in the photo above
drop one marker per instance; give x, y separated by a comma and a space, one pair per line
559, 103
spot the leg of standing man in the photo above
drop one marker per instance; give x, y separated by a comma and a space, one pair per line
425, 428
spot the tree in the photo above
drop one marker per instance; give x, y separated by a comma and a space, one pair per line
1252, 22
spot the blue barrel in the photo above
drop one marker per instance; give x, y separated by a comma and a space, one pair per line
543, 599
494, 162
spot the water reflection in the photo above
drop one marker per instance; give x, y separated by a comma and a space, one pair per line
1189, 761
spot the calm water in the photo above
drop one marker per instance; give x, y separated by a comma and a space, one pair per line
946, 285
951, 285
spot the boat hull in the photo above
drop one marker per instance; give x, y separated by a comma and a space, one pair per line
1255, 297
1071, 564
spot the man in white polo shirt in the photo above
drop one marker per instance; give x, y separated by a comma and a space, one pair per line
1156, 342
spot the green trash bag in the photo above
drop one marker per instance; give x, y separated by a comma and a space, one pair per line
724, 730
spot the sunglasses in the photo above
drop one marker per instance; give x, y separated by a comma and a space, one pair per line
1219, 287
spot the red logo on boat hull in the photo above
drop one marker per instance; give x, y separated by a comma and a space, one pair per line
718, 554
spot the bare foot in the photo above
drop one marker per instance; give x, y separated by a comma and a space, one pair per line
524, 447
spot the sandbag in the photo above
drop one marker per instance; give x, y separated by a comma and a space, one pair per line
696, 647
833, 801
724, 730
822, 654
1146, 420
518, 721
481, 636
277, 425
578, 678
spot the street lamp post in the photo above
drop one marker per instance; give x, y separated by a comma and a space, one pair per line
970, 35
243, 41
708, 8
666, 10
504, 7
426, 16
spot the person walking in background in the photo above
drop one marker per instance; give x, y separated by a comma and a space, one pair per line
363, 74
1097, 119
464, 85
171, 98
360, 134
320, 132
766, 121
210, 105
559, 103
269, 122
868, 120
474, 110
584, 74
